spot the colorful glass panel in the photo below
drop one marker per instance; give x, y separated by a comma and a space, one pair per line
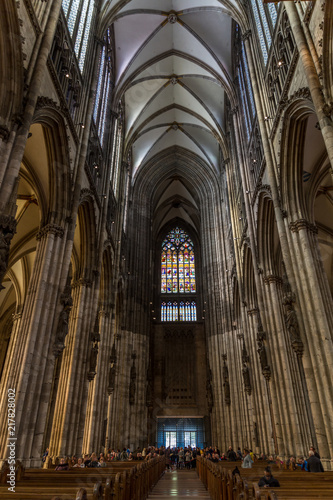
179, 263
178, 276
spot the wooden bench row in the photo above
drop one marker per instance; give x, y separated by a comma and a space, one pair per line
223, 485
131, 483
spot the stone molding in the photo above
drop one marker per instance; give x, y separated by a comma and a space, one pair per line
271, 278
4, 133
32, 15
246, 35
252, 312
300, 224
50, 229
301, 93
17, 316
82, 282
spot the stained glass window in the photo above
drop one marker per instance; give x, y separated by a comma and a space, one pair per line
265, 19
179, 311
103, 87
178, 276
248, 81
177, 263
78, 15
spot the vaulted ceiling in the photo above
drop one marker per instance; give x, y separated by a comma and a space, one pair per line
173, 68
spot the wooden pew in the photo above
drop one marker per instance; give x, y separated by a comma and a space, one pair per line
125, 481
223, 485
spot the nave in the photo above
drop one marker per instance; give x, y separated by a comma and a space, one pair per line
177, 484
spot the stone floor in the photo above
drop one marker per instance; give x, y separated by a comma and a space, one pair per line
178, 484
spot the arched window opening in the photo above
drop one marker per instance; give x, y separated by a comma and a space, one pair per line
78, 14
103, 87
265, 17
178, 277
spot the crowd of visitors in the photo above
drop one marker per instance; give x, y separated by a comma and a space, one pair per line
186, 457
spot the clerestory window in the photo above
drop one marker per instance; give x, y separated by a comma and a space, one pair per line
265, 17
78, 15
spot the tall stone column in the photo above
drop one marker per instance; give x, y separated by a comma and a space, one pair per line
317, 315
260, 396
73, 374
284, 387
26, 361
96, 408
324, 110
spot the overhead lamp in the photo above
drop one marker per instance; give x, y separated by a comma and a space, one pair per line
280, 63
266, 118
81, 124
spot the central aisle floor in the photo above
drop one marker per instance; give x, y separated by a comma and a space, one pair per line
178, 484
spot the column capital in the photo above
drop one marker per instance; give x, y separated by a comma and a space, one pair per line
50, 229
300, 224
252, 312
82, 282
271, 278
246, 35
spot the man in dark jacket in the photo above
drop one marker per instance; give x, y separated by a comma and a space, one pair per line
232, 457
314, 463
268, 481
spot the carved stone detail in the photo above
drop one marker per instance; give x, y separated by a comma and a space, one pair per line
172, 18
300, 224
95, 338
7, 231
149, 391
226, 383
209, 390
112, 370
62, 329
58, 231
290, 317
261, 336
132, 386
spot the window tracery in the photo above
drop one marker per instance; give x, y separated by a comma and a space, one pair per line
178, 277
78, 14
104, 84
265, 18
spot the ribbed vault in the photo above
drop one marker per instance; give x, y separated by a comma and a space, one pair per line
173, 75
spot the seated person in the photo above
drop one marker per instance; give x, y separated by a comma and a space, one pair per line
268, 481
302, 464
79, 463
291, 463
102, 462
62, 465
93, 461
